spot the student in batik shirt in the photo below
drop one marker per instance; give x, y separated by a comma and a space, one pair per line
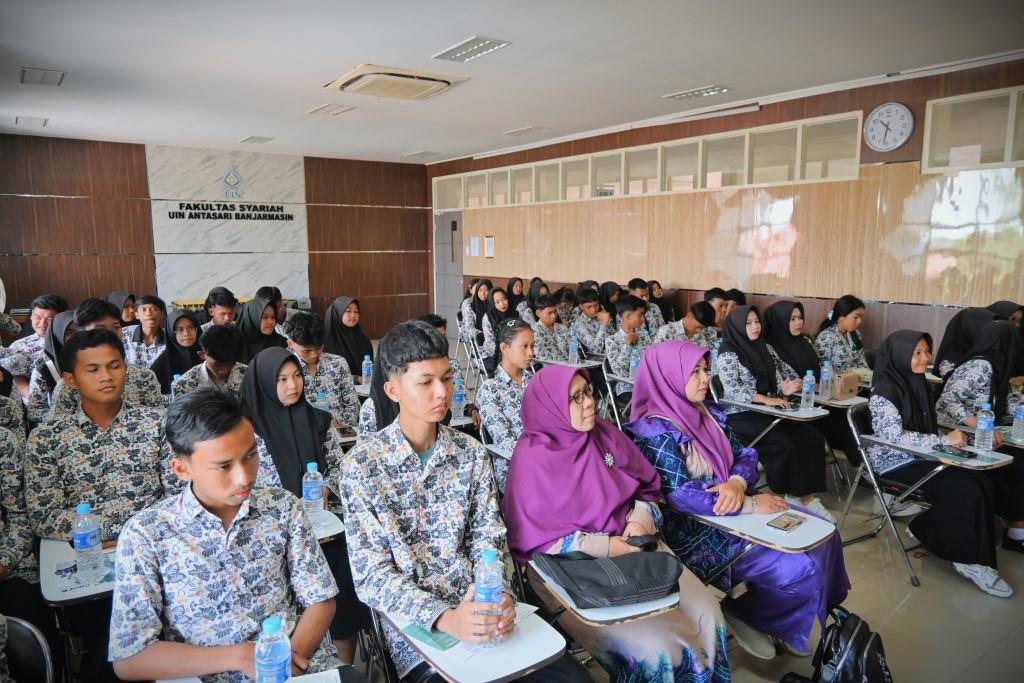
145, 341
592, 325
565, 303
473, 309
734, 298
632, 335
700, 316
838, 339
528, 309
221, 308
42, 311
324, 373
551, 339
498, 311
219, 348
47, 374
417, 469
653, 319
178, 612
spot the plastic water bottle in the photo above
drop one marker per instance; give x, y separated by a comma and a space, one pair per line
490, 584
367, 370
826, 380
88, 547
807, 395
1017, 434
984, 428
634, 363
458, 399
173, 381
574, 347
322, 403
312, 490
273, 653
714, 353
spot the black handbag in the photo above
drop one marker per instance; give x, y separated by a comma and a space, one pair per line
609, 581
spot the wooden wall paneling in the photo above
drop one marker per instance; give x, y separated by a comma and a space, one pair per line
76, 277
333, 275
349, 228
62, 225
58, 166
373, 183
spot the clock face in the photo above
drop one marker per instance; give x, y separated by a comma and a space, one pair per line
888, 127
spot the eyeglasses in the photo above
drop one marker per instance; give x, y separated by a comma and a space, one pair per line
581, 395
185, 330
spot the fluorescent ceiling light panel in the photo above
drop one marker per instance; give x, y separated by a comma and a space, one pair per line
703, 91
525, 130
472, 48
31, 121
30, 76
255, 139
330, 109
419, 154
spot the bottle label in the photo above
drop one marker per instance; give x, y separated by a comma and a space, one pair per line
1018, 414
312, 490
274, 673
488, 594
83, 540
459, 397
984, 424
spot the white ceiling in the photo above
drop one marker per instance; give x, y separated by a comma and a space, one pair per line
206, 74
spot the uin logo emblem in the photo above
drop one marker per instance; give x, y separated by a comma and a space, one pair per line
232, 184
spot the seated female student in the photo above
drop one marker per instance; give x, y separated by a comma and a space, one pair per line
46, 375
528, 309
793, 453
610, 293
256, 327
291, 434
500, 399
593, 325
515, 293
658, 298
959, 524
326, 376
218, 349
345, 337
182, 351
473, 309
705, 472
565, 303
125, 302
960, 335
700, 316
144, 342
1014, 314
565, 441
498, 311
838, 339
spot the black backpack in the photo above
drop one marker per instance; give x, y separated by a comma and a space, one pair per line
849, 652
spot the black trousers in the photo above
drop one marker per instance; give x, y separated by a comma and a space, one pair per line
90, 621
565, 669
19, 598
960, 526
349, 613
836, 430
793, 453
1009, 485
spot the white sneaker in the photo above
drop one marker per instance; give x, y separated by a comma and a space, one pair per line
904, 509
814, 506
755, 643
985, 578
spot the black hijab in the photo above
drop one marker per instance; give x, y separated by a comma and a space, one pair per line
118, 299
494, 315
53, 344
348, 342
1004, 309
895, 381
534, 293
753, 355
248, 325
176, 359
960, 335
997, 343
514, 299
295, 434
667, 312
480, 307
607, 290
795, 349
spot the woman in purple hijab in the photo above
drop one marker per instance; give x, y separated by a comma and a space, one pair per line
576, 483
705, 471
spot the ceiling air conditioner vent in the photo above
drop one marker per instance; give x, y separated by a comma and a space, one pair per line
402, 84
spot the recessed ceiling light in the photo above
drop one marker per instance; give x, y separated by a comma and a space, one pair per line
525, 130
330, 109
31, 121
255, 139
30, 76
419, 154
472, 48
704, 91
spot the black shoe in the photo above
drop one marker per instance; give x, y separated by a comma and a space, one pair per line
1013, 544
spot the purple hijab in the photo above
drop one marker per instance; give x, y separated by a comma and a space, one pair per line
661, 390
558, 481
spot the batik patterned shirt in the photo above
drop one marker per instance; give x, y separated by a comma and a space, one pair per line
500, 401
467, 326
415, 531
31, 346
739, 383
138, 352
120, 470
967, 388
12, 417
9, 326
141, 388
653, 319
182, 577
592, 334
523, 308
550, 344
16, 537
887, 424
833, 345
708, 337
199, 376
619, 353
675, 331
334, 379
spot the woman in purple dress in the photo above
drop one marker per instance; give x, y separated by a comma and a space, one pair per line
704, 471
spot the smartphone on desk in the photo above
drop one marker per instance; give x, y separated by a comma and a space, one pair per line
787, 521
953, 450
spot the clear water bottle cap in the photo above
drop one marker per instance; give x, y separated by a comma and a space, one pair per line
986, 406
83, 508
322, 394
311, 467
490, 556
271, 625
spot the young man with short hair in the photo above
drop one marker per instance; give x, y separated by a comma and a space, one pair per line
199, 572
718, 299
690, 327
42, 311
417, 469
221, 307
631, 336
323, 373
734, 298
593, 326
145, 341
550, 338
220, 346
653, 319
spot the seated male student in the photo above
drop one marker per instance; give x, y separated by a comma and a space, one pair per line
734, 298
417, 469
550, 337
323, 373
199, 572
653, 319
18, 368
219, 348
593, 326
141, 387
221, 306
632, 336
719, 301
42, 311
144, 342
690, 327
106, 453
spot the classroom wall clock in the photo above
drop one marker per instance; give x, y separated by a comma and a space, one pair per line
888, 127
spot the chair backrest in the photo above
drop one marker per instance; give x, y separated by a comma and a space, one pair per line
717, 390
859, 417
28, 654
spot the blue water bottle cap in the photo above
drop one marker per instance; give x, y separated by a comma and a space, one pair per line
366, 357
311, 467
490, 556
828, 363
83, 508
271, 625
986, 406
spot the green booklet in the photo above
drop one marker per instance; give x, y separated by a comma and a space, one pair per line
437, 639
